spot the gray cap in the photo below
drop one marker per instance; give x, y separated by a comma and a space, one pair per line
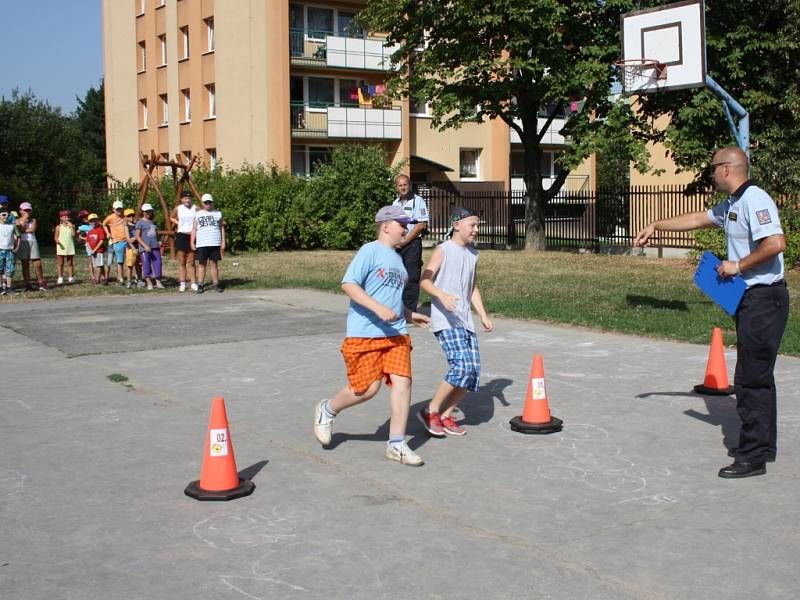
393, 213
459, 212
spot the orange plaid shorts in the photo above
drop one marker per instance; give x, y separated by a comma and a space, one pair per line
368, 359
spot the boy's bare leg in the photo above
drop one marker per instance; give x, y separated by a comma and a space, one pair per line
201, 273
181, 266
446, 398
214, 273
345, 398
399, 404
190, 267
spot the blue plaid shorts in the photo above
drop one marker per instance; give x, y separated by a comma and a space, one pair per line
461, 349
7, 263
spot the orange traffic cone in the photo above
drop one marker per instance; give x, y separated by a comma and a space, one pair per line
716, 381
219, 478
536, 417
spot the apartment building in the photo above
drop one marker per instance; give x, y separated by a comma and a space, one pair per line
283, 82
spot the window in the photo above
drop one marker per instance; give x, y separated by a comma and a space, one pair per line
161, 3
162, 40
164, 109
187, 155
348, 92
143, 113
212, 158
468, 163
320, 22
185, 40
418, 106
212, 101
345, 25
141, 57
320, 92
306, 159
187, 105
140, 7
210, 32
318, 156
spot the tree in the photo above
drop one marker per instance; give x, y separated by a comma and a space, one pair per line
90, 118
511, 59
753, 51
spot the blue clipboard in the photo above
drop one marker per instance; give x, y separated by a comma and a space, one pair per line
727, 292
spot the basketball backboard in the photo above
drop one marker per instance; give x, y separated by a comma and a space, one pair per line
672, 35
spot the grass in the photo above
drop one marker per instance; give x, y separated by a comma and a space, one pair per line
641, 296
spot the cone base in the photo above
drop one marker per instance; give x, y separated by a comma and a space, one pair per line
520, 426
245, 488
707, 391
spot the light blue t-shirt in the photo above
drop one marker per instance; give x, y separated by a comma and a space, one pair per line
748, 218
86, 228
379, 270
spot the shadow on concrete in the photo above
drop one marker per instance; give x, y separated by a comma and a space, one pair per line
477, 407
679, 394
721, 413
252, 470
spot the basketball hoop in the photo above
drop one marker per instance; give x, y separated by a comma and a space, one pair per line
631, 70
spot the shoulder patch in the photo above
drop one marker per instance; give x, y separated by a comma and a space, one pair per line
763, 217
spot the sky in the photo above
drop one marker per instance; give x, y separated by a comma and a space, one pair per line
52, 47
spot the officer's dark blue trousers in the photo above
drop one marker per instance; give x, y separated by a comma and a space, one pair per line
760, 322
412, 261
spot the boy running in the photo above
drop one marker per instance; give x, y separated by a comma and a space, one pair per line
449, 278
377, 345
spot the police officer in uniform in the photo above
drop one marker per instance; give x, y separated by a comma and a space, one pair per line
755, 251
410, 248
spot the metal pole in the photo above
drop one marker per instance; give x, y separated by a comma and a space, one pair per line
742, 133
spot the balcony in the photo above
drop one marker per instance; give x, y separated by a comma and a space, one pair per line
321, 120
326, 49
552, 136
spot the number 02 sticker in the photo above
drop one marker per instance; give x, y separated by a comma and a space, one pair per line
219, 442
537, 389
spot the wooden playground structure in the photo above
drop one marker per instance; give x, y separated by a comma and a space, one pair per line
181, 178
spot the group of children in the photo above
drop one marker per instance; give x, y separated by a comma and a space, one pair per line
133, 245
377, 346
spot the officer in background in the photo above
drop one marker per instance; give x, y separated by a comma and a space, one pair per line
755, 251
410, 248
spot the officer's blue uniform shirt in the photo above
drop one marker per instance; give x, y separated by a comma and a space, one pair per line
415, 208
748, 216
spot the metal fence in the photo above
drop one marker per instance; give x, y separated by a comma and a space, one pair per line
581, 219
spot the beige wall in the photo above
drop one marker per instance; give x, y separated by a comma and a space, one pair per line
119, 65
444, 147
659, 159
252, 68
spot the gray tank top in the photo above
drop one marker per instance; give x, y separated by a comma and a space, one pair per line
456, 276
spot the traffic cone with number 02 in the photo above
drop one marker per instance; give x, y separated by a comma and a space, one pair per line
219, 478
536, 417
716, 379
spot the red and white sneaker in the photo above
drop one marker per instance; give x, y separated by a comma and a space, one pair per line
451, 427
431, 422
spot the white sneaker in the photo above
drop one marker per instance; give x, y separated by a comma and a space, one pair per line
323, 424
71, 280
60, 281
403, 454
149, 286
159, 285
182, 287
194, 287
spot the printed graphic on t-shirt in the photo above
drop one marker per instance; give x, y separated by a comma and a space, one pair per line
391, 277
763, 217
207, 221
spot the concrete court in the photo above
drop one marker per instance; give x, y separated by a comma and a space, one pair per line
624, 503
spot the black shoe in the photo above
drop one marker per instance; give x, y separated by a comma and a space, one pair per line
218, 289
742, 469
200, 289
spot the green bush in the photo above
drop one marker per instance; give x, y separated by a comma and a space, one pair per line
268, 209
